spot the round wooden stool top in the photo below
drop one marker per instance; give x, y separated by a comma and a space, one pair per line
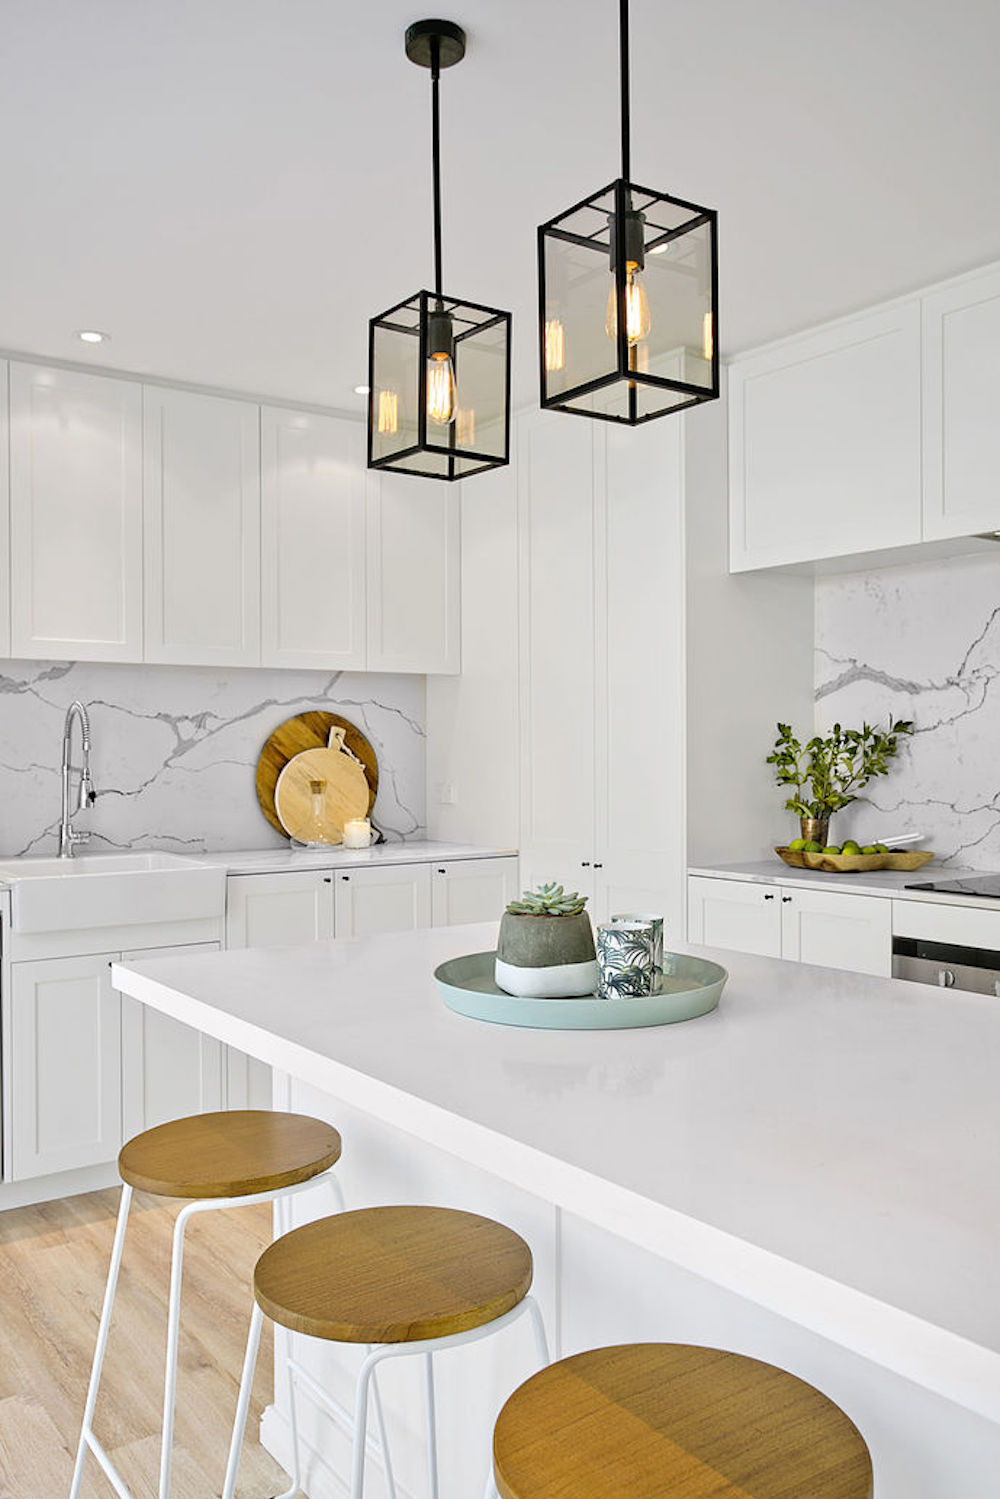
393, 1275
228, 1154
662, 1420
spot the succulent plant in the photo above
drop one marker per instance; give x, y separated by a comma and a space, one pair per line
548, 900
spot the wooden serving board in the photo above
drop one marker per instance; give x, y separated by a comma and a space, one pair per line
308, 731
345, 792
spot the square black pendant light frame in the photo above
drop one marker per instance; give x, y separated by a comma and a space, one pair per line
623, 224
628, 199
411, 319
475, 339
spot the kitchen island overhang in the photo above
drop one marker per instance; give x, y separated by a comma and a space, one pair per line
824, 1145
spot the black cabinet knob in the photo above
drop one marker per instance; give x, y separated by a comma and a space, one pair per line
598, 866
768, 897
584, 863
345, 878
786, 900
442, 871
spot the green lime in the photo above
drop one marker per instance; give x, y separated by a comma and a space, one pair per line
831, 848
850, 847
812, 847
870, 848
881, 848
796, 846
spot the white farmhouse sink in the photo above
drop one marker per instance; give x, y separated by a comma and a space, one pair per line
110, 890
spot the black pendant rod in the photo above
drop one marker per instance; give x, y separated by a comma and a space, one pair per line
436, 153
623, 58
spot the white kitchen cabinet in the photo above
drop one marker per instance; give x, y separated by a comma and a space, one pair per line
4, 512
465, 890
168, 1069
312, 541
831, 928
75, 516
961, 353
740, 915
824, 442
66, 1065
384, 898
837, 930
602, 663
201, 512
414, 575
271, 910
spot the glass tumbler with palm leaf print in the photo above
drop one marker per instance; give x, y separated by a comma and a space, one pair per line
656, 922
626, 953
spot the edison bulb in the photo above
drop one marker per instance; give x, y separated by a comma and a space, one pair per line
707, 336
388, 412
555, 345
440, 389
637, 319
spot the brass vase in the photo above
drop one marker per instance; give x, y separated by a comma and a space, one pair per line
815, 830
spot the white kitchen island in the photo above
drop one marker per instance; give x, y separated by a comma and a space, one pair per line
810, 1175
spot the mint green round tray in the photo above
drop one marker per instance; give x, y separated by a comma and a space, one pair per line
691, 986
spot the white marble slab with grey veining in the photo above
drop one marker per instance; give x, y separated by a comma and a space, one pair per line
175, 750
920, 642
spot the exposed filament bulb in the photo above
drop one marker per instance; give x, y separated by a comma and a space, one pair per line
637, 319
440, 389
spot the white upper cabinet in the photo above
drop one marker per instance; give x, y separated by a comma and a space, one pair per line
414, 575
201, 504
961, 401
76, 516
824, 442
312, 541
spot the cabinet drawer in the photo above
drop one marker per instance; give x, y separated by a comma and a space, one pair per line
966, 926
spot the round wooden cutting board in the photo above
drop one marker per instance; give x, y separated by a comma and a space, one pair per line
345, 793
308, 731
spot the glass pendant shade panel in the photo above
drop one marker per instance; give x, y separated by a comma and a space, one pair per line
439, 403
628, 284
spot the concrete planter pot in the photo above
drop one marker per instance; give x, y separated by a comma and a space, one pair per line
546, 957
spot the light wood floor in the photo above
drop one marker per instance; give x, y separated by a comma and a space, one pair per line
53, 1264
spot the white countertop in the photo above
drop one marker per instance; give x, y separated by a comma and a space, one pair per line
887, 882
825, 1144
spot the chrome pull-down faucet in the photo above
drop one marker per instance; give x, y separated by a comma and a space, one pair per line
86, 795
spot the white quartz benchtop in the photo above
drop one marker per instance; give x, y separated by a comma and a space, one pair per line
417, 851
825, 1143
887, 882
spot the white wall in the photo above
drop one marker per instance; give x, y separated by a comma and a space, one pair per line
920, 642
749, 664
175, 750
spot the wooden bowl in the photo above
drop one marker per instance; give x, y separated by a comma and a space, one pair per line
852, 863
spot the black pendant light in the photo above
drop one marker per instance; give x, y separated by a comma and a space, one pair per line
628, 297
438, 367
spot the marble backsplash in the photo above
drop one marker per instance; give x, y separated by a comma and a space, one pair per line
920, 642
174, 750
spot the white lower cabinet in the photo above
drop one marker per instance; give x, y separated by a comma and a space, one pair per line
386, 898
831, 928
66, 1073
472, 890
168, 1069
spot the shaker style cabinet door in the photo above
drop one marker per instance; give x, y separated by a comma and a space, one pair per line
384, 898
961, 337
201, 512
824, 442
837, 930
169, 1070
76, 515
740, 915
312, 541
464, 890
65, 1077
414, 572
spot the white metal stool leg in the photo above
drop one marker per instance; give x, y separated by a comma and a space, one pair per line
243, 1403
87, 1438
173, 1338
432, 1448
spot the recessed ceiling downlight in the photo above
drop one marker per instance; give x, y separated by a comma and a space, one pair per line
93, 336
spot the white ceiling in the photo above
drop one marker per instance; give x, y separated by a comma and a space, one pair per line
233, 187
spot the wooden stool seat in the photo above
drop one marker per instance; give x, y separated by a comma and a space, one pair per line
662, 1420
228, 1154
393, 1275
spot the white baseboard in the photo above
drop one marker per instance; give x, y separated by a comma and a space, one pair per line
59, 1184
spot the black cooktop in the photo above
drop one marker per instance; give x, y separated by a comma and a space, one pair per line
983, 886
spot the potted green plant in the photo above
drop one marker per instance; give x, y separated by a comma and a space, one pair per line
831, 770
546, 945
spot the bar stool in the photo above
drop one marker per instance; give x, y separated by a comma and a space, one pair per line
661, 1420
220, 1160
399, 1280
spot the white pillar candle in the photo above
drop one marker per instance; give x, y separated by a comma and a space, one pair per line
357, 833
